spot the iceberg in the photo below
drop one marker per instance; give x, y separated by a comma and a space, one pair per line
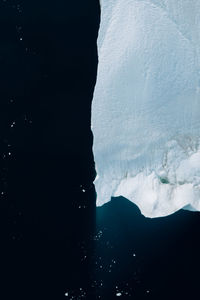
146, 105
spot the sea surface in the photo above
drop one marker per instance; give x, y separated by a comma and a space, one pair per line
55, 243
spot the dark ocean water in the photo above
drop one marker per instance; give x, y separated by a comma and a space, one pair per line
106, 253
60, 246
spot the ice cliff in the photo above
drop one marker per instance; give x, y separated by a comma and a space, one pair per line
146, 104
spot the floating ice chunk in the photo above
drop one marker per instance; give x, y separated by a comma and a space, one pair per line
146, 105
119, 294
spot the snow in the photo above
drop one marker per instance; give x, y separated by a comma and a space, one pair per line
146, 105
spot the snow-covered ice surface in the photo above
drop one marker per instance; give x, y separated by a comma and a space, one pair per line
146, 104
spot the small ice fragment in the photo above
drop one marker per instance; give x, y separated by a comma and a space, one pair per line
119, 294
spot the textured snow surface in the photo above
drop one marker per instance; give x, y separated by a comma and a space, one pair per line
146, 105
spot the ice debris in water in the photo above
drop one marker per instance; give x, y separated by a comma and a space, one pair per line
146, 105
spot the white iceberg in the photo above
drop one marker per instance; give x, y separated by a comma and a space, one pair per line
146, 104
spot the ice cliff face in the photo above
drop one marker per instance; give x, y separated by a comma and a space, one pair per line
146, 106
